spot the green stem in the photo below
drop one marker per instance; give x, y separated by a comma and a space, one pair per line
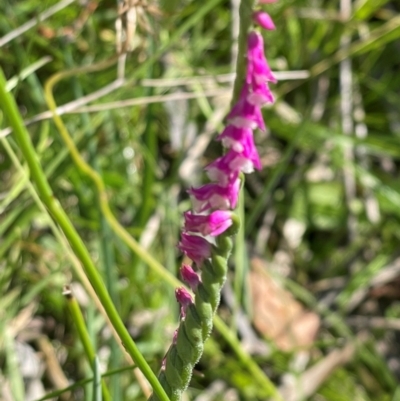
263, 198
150, 141
79, 321
105, 235
95, 176
10, 110
60, 238
245, 12
247, 360
81, 383
240, 254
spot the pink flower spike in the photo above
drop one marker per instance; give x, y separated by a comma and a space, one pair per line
194, 247
214, 196
190, 277
212, 224
184, 298
264, 20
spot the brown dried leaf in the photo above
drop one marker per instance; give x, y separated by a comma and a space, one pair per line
276, 313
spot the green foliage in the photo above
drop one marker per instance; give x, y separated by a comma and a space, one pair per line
349, 237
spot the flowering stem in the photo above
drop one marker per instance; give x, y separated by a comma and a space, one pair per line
196, 318
213, 204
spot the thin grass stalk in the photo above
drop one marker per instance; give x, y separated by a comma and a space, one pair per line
105, 236
12, 366
80, 324
263, 198
58, 235
10, 109
97, 381
81, 383
240, 256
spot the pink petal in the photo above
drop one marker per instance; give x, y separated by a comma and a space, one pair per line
260, 95
264, 20
194, 247
212, 224
190, 277
245, 114
233, 137
214, 196
184, 298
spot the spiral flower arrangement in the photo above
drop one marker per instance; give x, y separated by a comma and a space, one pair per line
206, 237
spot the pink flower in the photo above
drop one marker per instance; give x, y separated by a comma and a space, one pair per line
242, 142
214, 196
227, 167
233, 137
184, 298
244, 114
258, 69
212, 224
258, 72
250, 155
255, 46
260, 95
264, 20
190, 277
195, 247
222, 170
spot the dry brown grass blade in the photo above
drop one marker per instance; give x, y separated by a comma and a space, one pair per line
314, 377
54, 371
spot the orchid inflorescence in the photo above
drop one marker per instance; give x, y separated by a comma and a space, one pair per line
208, 228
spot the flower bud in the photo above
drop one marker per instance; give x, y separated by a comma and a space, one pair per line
190, 277
264, 20
184, 299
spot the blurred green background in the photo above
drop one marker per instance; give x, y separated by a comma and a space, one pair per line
313, 291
